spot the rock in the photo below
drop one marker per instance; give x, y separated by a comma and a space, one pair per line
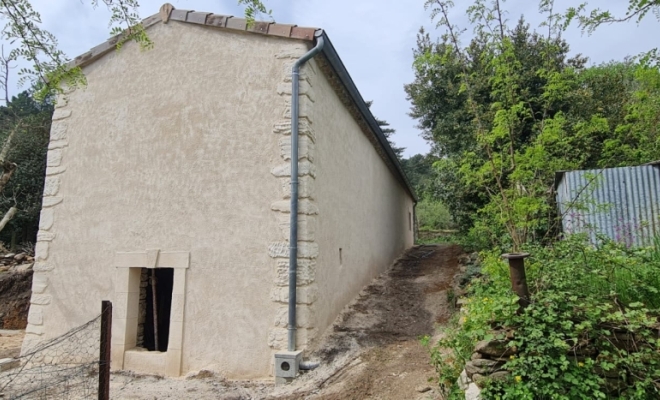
484, 363
495, 348
3, 269
495, 376
463, 380
20, 256
24, 267
9, 255
482, 366
423, 388
473, 392
29, 258
476, 356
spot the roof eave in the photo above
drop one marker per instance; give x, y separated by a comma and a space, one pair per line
335, 62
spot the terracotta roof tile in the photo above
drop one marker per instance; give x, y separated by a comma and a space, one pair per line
179, 15
217, 20
238, 24
280, 30
260, 27
197, 17
303, 33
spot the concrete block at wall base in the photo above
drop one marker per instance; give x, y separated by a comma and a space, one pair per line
287, 364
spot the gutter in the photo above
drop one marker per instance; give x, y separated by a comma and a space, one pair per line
293, 228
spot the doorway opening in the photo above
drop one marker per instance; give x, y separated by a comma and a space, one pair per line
156, 286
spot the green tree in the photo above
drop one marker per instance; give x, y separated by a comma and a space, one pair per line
511, 108
591, 20
28, 122
388, 132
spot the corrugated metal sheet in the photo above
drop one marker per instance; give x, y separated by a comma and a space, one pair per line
620, 203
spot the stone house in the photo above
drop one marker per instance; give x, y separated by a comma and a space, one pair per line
168, 192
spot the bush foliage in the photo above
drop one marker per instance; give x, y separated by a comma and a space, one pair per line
581, 296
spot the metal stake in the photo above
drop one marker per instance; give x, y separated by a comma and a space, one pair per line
518, 278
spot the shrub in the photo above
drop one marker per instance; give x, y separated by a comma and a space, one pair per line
582, 296
433, 215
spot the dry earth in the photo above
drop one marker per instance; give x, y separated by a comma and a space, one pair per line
10, 343
371, 352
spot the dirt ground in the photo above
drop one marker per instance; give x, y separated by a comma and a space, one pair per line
372, 351
15, 290
10, 343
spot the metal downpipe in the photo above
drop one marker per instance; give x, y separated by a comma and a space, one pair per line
293, 229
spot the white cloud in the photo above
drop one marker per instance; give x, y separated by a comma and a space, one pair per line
373, 38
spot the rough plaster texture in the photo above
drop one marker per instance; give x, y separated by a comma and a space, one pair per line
186, 148
171, 148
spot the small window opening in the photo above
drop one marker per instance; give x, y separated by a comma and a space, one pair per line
155, 306
341, 259
409, 221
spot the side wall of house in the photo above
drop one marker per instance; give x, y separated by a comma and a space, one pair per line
364, 217
173, 149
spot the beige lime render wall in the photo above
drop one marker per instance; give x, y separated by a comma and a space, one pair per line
179, 156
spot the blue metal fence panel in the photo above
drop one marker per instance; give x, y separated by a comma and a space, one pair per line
620, 203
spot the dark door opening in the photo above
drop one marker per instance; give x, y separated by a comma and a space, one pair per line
164, 282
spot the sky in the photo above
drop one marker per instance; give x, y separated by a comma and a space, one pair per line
374, 38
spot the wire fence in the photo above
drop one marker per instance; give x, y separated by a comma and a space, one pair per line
66, 367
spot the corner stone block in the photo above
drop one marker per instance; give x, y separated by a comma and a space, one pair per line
57, 144
306, 188
306, 272
43, 236
306, 226
305, 72
277, 338
305, 206
61, 114
39, 282
42, 267
304, 110
305, 317
52, 186
35, 316
304, 89
41, 251
50, 171
46, 219
304, 129
62, 101
34, 330
58, 130
41, 299
305, 250
54, 158
51, 201
38, 288
305, 148
292, 52
304, 168
304, 295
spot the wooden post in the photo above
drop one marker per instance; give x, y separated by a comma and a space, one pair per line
104, 356
155, 307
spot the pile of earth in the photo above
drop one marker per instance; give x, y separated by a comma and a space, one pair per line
15, 289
